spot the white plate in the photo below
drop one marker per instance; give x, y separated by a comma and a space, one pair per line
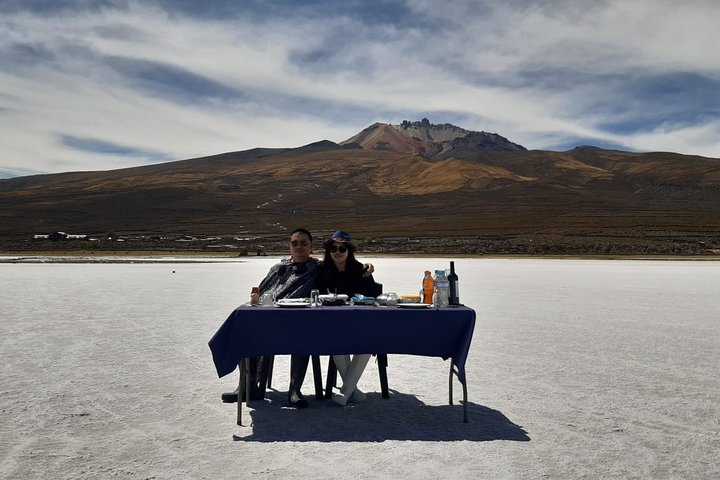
293, 303
414, 305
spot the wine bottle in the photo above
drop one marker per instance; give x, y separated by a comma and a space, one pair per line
453, 280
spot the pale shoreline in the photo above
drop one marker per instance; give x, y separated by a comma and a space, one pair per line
152, 255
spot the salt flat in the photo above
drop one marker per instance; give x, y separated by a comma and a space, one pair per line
578, 369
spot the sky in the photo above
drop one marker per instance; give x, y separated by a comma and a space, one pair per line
107, 84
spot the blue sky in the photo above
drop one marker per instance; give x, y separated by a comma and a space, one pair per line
104, 84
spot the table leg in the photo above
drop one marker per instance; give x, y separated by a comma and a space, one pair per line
464, 384
241, 390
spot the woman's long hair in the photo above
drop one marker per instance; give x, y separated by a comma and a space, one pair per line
351, 265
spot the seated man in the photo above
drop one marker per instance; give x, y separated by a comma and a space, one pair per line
291, 278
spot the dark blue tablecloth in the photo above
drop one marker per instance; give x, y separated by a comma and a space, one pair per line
255, 331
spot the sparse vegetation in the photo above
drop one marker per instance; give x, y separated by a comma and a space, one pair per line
474, 194
536, 245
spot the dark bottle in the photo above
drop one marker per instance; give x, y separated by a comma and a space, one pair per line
453, 280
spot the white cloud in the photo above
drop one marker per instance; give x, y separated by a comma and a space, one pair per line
540, 73
690, 140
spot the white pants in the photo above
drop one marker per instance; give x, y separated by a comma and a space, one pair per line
350, 371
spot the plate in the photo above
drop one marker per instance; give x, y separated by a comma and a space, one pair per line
414, 305
293, 303
409, 299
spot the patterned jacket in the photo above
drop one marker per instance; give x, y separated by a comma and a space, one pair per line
290, 280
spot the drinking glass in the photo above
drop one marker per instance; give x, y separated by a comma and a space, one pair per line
267, 299
315, 298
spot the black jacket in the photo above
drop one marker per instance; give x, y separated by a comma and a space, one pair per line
349, 282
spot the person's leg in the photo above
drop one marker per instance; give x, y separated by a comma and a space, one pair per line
257, 385
298, 367
354, 372
342, 362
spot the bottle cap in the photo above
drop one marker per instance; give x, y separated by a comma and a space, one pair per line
255, 290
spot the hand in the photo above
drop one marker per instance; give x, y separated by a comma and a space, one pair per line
368, 269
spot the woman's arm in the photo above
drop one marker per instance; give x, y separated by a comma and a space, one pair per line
367, 286
368, 269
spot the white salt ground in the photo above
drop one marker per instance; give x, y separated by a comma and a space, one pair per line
578, 369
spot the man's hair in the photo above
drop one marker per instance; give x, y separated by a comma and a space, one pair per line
303, 231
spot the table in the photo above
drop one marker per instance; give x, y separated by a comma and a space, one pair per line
264, 331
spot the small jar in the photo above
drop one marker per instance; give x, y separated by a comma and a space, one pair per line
255, 296
392, 299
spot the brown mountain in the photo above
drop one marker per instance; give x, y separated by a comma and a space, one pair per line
430, 141
409, 187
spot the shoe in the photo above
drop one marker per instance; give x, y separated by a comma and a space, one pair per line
340, 399
358, 396
230, 397
297, 400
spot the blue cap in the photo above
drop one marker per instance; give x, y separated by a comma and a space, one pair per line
340, 236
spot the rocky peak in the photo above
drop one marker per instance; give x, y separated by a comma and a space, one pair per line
428, 140
425, 130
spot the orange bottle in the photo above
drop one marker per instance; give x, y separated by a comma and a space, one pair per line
428, 285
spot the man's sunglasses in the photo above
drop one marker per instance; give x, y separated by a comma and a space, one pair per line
338, 248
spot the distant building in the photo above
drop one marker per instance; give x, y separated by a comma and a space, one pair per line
57, 236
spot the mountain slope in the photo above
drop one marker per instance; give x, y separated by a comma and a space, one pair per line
588, 198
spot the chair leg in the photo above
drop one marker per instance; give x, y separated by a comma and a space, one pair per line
382, 361
270, 363
331, 378
317, 376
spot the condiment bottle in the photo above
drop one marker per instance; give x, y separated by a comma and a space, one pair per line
255, 296
428, 285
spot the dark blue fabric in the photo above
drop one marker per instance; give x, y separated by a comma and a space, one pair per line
256, 331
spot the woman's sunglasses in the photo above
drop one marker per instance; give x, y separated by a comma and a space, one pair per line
337, 248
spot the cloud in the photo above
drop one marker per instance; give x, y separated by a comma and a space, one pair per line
99, 85
92, 145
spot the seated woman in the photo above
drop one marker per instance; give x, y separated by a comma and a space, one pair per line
341, 273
